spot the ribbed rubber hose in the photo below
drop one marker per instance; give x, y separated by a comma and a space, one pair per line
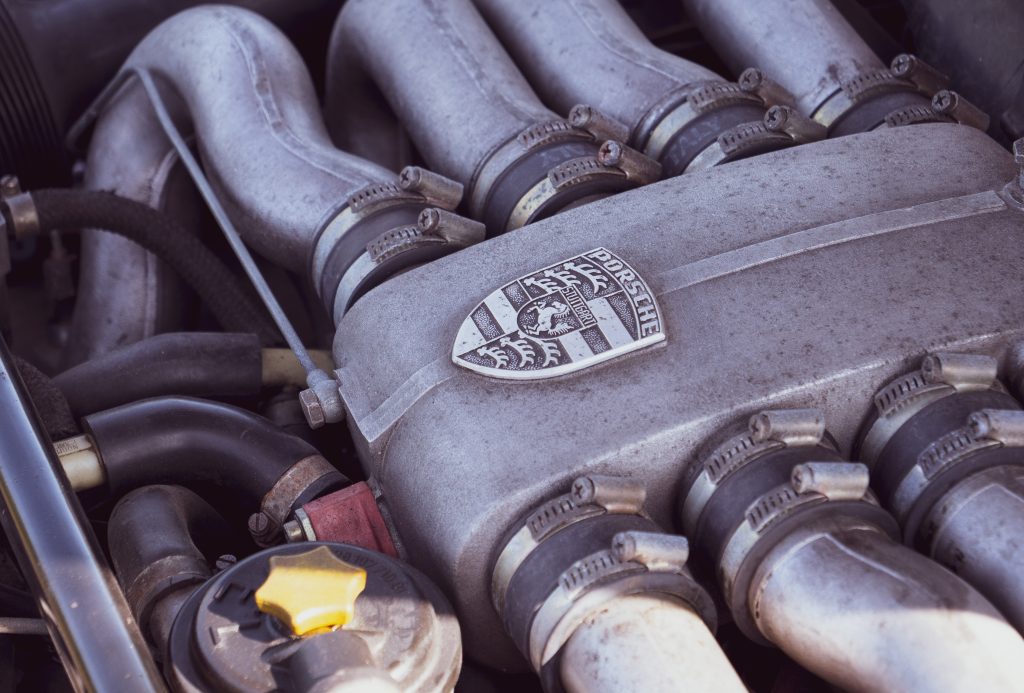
229, 301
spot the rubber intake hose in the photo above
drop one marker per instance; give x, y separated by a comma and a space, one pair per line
199, 364
227, 298
53, 407
182, 440
159, 537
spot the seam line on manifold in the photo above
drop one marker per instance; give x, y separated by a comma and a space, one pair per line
837, 233
377, 422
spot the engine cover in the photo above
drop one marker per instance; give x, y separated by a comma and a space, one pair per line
802, 278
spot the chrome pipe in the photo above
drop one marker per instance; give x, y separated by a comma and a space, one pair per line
866, 613
45, 525
646, 643
977, 531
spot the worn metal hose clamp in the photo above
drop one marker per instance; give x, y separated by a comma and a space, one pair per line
577, 552
760, 485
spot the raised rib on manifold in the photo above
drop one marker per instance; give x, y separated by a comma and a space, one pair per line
902, 391
950, 449
545, 132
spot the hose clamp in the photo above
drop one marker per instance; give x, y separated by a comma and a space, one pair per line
591, 496
987, 429
628, 566
941, 375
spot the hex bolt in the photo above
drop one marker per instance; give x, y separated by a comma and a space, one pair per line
293, 532
312, 409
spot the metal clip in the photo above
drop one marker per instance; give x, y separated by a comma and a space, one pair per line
637, 167
836, 481
597, 124
753, 81
787, 120
653, 549
924, 76
794, 427
961, 110
436, 188
613, 493
1003, 425
965, 372
456, 229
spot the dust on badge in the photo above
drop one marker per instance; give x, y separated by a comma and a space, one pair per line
560, 319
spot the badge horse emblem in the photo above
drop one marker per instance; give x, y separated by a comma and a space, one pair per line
560, 319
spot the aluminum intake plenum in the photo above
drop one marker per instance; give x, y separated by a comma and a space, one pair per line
802, 278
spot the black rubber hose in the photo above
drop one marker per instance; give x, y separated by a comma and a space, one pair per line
181, 440
159, 539
200, 364
227, 298
50, 401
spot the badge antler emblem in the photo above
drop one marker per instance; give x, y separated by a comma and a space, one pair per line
562, 318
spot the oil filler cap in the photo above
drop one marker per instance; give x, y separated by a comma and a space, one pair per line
311, 592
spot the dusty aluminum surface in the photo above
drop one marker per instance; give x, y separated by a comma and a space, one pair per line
803, 278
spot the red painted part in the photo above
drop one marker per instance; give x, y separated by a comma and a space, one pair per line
351, 516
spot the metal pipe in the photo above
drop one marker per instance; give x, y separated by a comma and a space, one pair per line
57, 553
125, 293
979, 534
645, 642
257, 123
804, 45
589, 52
442, 70
866, 613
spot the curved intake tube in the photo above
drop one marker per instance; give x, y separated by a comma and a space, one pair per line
646, 643
590, 52
467, 108
126, 293
155, 535
866, 614
194, 442
256, 117
811, 50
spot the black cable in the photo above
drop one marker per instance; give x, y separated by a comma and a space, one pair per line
229, 301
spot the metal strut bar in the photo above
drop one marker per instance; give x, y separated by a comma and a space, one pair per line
85, 612
323, 393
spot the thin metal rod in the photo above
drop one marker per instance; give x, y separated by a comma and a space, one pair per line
85, 612
230, 232
10, 625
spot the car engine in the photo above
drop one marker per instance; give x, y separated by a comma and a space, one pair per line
512, 345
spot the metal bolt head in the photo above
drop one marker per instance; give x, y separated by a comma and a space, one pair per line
580, 115
944, 101
259, 524
312, 409
225, 561
409, 178
610, 153
750, 79
902, 65
293, 532
776, 118
429, 219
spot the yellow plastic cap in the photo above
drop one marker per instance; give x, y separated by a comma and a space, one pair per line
311, 591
